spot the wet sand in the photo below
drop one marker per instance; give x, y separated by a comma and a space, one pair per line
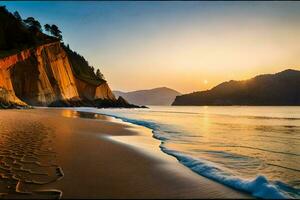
53, 153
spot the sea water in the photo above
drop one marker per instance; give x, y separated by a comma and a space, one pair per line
249, 148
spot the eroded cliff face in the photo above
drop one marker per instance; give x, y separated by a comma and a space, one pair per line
103, 92
7, 94
43, 75
92, 92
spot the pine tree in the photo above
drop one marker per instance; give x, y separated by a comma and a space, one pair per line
33, 24
55, 31
99, 74
17, 16
47, 28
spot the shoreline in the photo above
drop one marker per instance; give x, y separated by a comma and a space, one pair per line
106, 158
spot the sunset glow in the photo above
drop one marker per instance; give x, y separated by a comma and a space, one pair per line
149, 99
177, 44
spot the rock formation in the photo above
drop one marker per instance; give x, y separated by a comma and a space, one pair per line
90, 92
43, 76
37, 69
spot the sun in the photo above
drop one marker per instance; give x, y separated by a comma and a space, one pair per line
205, 82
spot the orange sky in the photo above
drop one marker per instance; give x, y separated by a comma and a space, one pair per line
199, 59
187, 46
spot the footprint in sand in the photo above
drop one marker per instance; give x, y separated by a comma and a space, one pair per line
27, 161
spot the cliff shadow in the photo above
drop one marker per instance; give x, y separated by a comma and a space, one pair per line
25, 79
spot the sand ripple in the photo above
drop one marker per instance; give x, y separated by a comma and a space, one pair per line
27, 161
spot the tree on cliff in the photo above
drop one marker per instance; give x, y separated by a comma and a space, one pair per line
33, 25
92, 69
55, 31
47, 28
99, 74
17, 16
14, 34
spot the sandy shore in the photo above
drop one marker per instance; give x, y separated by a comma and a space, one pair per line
49, 153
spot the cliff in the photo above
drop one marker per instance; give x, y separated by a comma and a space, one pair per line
89, 85
90, 91
282, 88
37, 69
8, 98
40, 76
43, 76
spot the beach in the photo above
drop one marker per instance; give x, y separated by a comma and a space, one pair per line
61, 153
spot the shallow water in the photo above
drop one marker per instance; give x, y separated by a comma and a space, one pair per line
254, 149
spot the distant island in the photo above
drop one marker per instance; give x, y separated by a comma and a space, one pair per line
156, 96
278, 89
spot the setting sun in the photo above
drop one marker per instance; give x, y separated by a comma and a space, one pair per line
149, 99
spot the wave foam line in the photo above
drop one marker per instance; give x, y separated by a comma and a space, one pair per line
259, 187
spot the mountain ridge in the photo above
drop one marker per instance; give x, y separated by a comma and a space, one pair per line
154, 96
282, 88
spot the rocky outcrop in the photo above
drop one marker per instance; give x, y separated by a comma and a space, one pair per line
36, 69
91, 92
7, 94
119, 103
43, 76
103, 92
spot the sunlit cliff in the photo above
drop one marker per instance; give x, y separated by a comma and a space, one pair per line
37, 69
43, 76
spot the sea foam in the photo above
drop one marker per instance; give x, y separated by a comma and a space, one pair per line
259, 187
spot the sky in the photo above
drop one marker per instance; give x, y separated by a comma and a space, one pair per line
187, 46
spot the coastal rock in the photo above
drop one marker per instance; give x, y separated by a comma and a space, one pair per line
90, 91
37, 69
104, 92
119, 103
40, 76
43, 76
7, 94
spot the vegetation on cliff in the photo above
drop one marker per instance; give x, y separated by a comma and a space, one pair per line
17, 34
282, 88
38, 69
82, 69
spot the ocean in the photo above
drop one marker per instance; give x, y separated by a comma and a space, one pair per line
255, 149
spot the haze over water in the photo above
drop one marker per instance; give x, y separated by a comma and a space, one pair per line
255, 149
